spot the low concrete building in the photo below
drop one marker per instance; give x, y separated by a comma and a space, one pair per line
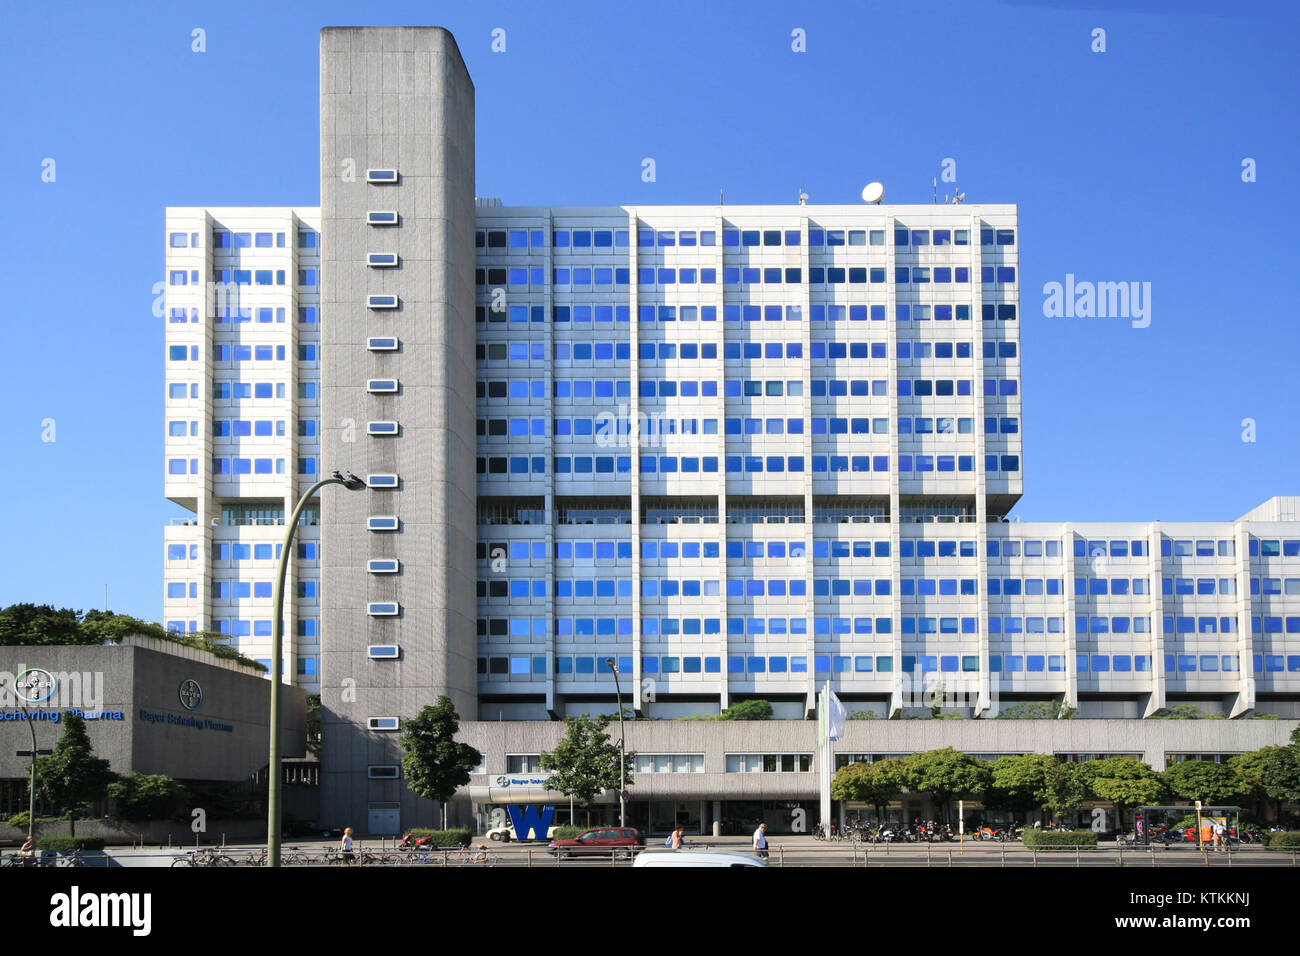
151, 706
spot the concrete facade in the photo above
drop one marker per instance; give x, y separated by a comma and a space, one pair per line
221, 737
398, 100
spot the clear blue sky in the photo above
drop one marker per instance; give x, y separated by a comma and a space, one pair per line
1126, 165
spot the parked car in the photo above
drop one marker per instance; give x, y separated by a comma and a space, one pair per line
689, 857
507, 833
622, 842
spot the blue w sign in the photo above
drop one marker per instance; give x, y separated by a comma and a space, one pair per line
529, 819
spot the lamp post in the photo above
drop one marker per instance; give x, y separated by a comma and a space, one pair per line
352, 483
33, 753
622, 747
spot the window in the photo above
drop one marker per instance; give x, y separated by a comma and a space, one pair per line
381, 218
381, 175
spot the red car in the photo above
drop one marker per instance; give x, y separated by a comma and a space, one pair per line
622, 842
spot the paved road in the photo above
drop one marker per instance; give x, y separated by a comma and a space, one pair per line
804, 852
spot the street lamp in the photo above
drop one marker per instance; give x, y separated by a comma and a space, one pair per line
352, 483
33, 753
622, 747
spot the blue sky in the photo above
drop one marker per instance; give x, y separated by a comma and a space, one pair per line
1126, 166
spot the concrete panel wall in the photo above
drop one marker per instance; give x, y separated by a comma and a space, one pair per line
396, 98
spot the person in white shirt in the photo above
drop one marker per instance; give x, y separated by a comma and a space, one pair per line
760, 840
346, 846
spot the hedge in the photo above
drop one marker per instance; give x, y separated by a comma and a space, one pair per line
1279, 841
444, 838
1058, 838
64, 844
568, 833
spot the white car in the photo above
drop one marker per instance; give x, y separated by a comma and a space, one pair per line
507, 833
690, 857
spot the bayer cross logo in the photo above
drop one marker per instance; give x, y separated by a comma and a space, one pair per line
503, 781
34, 685
191, 694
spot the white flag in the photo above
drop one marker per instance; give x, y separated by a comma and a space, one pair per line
834, 716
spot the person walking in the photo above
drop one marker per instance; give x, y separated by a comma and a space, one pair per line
678, 837
1220, 832
345, 846
760, 841
28, 851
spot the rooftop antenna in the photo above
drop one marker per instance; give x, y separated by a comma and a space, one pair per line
957, 198
935, 183
873, 193
803, 198
720, 202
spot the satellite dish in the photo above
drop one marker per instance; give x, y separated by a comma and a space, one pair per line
873, 192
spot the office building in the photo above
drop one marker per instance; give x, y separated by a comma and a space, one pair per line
738, 450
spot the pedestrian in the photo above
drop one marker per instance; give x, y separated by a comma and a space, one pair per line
28, 851
1220, 831
677, 837
345, 845
760, 841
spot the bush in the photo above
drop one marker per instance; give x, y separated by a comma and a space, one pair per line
1278, 841
1047, 838
568, 833
64, 844
19, 820
444, 838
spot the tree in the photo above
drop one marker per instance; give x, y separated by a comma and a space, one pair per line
875, 783
1123, 781
141, 796
107, 627
434, 763
72, 778
945, 774
1184, 712
1066, 788
1021, 783
586, 763
25, 624
1213, 783
1250, 768
313, 724
1282, 772
1038, 710
748, 710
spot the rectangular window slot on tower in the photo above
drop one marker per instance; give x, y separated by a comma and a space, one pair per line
382, 481
383, 723
382, 301
383, 652
381, 175
382, 343
382, 523
381, 217
383, 608
381, 385
382, 428
382, 260
383, 566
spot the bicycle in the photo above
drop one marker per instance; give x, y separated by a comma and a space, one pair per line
467, 855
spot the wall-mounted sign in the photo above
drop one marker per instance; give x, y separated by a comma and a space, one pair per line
190, 694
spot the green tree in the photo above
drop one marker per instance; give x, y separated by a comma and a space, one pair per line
1250, 768
72, 778
1281, 776
1066, 788
102, 627
141, 796
1123, 781
1037, 710
313, 724
1184, 712
945, 774
585, 762
1214, 783
26, 624
434, 763
876, 783
1021, 783
748, 710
